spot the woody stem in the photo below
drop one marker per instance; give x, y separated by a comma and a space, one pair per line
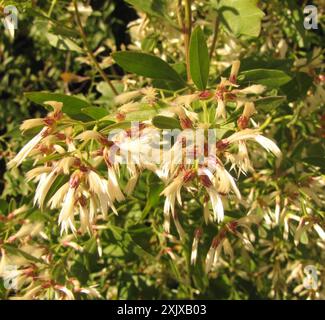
89, 51
187, 30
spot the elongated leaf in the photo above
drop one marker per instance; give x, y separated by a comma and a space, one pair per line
63, 43
95, 112
146, 65
267, 77
199, 59
15, 251
116, 126
72, 106
64, 31
163, 122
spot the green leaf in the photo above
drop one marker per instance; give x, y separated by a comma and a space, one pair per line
15, 251
106, 91
95, 112
149, 43
79, 271
147, 65
125, 240
118, 125
72, 106
153, 7
58, 273
90, 255
62, 43
163, 122
268, 103
199, 59
145, 112
64, 31
155, 187
267, 77
241, 17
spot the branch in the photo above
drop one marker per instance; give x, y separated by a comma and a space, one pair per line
187, 30
215, 36
89, 51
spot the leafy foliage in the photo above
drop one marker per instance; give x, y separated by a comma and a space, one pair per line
247, 65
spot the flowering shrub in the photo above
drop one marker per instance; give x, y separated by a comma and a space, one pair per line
193, 154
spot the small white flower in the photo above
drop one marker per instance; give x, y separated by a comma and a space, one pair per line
282, 48
84, 219
206, 212
131, 184
28, 229
256, 89
113, 186
221, 110
242, 158
26, 150
35, 173
31, 123
173, 192
253, 134
89, 135
68, 293
234, 71
185, 100
126, 97
211, 254
129, 107
249, 110
58, 197
195, 244
66, 217
99, 187
320, 231
217, 205
44, 186
268, 145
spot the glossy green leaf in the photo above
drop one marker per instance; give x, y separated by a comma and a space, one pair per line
163, 122
63, 43
199, 59
72, 106
147, 65
116, 126
267, 77
95, 112
18, 252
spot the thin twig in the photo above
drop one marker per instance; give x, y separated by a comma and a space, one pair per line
187, 30
89, 51
52, 7
215, 36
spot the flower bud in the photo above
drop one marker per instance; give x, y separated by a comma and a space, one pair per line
234, 71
